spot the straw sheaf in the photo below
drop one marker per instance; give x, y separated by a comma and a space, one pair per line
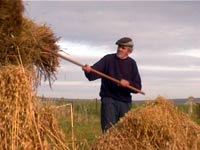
24, 124
155, 126
11, 16
21, 41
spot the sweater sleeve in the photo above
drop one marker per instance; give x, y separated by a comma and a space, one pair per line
136, 80
99, 66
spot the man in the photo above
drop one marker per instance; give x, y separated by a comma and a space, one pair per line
116, 98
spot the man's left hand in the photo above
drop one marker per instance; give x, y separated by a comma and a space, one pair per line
124, 83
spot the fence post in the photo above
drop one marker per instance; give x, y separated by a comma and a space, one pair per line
96, 105
191, 101
72, 125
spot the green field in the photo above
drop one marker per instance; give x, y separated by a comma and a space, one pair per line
86, 119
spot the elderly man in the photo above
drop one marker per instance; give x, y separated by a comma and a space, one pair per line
116, 98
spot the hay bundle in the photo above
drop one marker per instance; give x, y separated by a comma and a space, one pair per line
23, 123
157, 125
10, 16
20, 38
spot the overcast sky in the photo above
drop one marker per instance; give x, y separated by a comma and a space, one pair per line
166, 37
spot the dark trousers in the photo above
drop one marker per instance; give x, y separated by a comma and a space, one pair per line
111, 111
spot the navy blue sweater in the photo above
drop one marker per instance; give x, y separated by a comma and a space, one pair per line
120, 69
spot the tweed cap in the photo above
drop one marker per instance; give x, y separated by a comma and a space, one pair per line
125, 41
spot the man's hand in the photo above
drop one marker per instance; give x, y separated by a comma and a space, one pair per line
86, 68
124, 83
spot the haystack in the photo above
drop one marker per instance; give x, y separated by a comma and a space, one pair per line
11, 16
21, 41
157, 125
24, 123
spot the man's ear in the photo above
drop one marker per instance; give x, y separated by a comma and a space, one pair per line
129, 52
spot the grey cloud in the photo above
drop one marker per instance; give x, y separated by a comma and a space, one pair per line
152, 22
159, 29
165, 58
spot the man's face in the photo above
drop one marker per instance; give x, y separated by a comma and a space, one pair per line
123, 51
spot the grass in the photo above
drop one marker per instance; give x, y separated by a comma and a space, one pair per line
87, 120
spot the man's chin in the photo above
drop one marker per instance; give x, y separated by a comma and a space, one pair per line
121, 56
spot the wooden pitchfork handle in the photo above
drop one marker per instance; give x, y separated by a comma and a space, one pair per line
92, 70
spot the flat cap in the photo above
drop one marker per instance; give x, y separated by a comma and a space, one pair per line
125, 41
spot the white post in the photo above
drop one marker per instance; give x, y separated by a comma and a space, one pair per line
72, 125
191, 99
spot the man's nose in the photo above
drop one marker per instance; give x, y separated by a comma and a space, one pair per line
120, 49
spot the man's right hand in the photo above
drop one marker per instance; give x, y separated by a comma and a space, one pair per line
86, 68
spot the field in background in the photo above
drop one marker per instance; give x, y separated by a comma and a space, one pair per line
86, 118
